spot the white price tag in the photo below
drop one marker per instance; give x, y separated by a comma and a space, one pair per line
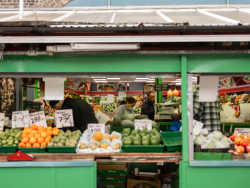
38, 118
64, 118
110, 98
2, 116
242, 131
93, 127
142, 124
121, 95
20, 119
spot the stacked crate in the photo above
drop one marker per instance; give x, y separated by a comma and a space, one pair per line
112, 175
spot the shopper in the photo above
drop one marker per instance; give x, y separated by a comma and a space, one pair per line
126, 108
148, 106
83, 114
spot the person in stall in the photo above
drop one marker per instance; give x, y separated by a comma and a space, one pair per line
83, 114
125, 109
148, 106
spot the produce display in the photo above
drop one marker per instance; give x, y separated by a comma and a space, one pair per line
241, 143
37, 136
99, 142
10, 137
214, 140
108, 107
141, 137
137, 110
67, 139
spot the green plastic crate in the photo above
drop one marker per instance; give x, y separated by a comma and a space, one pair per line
8, 149
172, 140
32, 150
164, 126
119, 128
143, 167
142, 148
113, 185
112, 172
113, 180
62, 149
205, 156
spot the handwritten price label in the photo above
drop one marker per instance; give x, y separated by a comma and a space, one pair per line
20, 119
1, 121
64, 118
142, 124
38, 118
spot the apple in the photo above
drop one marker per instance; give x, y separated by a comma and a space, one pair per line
240, 149
232, 137
248, 148
245, 142
237, 141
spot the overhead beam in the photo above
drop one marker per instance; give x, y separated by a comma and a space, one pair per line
124, 39
164, 17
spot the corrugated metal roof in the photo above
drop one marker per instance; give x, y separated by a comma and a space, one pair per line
105, 17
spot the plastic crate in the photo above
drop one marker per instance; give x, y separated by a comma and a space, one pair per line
212, 156
32, 150
8, 149
62, 149
172, 140
112, 172
164, 126
119, 128
143, 167
113, 185
142, 148
113, 180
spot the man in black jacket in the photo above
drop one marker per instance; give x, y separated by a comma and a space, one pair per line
148, 106
83, 114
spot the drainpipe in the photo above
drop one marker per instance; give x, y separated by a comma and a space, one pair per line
20, 9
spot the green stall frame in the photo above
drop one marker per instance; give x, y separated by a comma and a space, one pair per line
193, 174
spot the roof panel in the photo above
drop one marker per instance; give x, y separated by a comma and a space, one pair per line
41, 16
89, 17
244, 18
138, 17
193, 18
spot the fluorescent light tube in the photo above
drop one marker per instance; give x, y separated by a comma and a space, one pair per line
113, 78
104, 47
141, 78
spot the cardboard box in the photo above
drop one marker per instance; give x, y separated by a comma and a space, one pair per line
143, 183
112, 166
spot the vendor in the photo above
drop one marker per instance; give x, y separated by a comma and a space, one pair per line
126, 108
148, 106
83, 114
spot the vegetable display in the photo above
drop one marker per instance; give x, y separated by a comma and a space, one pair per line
10, 137
108, 107
67, 138
141, 137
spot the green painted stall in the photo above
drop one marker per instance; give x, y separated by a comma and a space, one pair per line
207, 174
72, 174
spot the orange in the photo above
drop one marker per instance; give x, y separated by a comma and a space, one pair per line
56, 131
43, 134
49, 132
98, 136
33, 140
28, 145
40, 140
36, 145
43, 145
49, 128
25, 140
21, 145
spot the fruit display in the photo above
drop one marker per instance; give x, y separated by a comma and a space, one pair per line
65, 139
137, 110
241, 143
214, 140
99, 142
108, 107
10, 137
37, 136
141, 137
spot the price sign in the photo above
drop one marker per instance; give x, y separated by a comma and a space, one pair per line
242, 131
64, 118
38, 118
20, 119
121, 95
142, 124
110, 98
93, 127
1, 121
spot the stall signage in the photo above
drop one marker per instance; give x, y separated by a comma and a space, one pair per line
1, 121
64, 118
142, 124
93, 127
242, 131
38, 118
20, 119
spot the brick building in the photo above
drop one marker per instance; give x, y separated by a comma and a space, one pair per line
34, 3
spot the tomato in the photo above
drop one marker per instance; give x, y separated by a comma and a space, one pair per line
248, 148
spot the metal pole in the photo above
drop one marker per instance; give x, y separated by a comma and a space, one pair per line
20, 9
228, 3
108, 3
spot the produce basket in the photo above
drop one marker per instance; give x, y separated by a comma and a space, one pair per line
212, 156
113, 180
112, 172
142, 148
62, 149
32, 150
8, 149
172, 140
197, 148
